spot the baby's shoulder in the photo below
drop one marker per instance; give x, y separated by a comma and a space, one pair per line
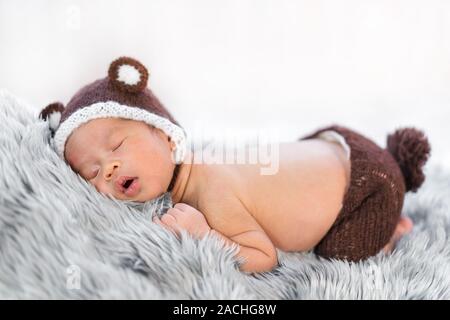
219, 199
217, 187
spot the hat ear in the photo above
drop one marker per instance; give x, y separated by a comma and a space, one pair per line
52, 113
127, 74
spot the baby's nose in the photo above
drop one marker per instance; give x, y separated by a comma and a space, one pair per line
110, 170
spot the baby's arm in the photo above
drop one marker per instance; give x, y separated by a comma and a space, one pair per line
255, 247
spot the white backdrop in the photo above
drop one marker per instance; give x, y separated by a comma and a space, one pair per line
243, 66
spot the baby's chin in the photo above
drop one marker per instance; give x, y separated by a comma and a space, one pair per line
143, 195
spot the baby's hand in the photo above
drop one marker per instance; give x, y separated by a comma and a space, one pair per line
183, 216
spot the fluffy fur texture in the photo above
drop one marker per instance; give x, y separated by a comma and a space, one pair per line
411, 149
60, 239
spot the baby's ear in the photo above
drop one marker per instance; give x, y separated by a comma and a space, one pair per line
52, 113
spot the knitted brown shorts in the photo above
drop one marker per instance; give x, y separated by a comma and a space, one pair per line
372, 203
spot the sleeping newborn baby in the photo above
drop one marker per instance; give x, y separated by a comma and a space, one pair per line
335, 191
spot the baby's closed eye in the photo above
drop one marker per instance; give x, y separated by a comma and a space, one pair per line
95, 171
94, 174
119, 145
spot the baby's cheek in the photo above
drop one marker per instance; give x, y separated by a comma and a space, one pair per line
100, 187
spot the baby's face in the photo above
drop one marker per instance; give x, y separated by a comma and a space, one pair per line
104, 150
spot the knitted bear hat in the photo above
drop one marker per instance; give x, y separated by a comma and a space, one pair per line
122, 94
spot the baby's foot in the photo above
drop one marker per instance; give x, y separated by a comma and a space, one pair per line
404, 226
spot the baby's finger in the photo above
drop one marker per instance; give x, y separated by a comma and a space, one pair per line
171, 227
160, 223
181, 206
157, 220
175, 212
168, 219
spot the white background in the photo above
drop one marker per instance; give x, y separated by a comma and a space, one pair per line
286, 67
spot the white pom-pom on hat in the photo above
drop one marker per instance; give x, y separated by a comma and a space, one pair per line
54, 120
52, 113
128, 75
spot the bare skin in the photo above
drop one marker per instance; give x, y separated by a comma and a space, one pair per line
234, 201
104, 149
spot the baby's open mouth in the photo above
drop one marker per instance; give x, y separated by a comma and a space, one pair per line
128, 185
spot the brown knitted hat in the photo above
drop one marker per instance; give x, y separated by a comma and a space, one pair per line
122, 94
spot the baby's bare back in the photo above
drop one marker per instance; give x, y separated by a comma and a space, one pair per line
295, 207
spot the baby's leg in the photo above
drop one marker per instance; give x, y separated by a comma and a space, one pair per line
404, 226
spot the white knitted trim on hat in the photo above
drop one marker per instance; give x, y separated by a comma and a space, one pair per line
112, 109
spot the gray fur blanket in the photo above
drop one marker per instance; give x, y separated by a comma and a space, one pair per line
60, 239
